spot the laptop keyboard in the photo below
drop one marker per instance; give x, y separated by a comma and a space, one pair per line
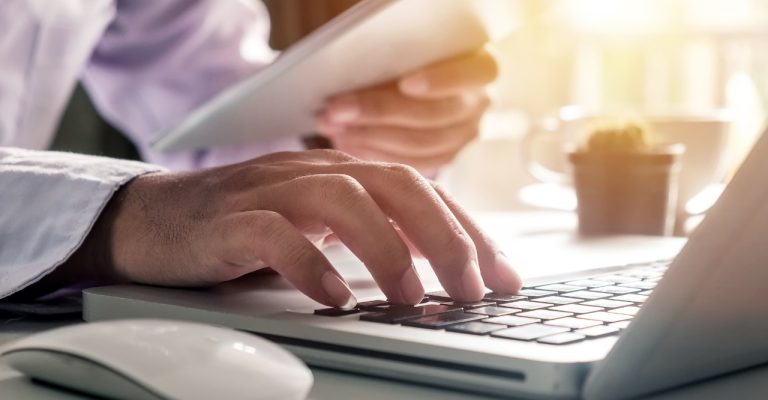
556, 313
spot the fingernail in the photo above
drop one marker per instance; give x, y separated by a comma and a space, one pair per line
471, 283
322, 125
415, 84
411, 289
338, 291
506, 274
344, 109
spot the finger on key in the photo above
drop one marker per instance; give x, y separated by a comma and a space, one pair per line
498, 273
341, 203
254, 238
409, 199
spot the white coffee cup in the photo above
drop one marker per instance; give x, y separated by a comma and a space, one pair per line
704, 135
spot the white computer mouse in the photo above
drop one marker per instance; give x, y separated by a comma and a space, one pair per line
160, 359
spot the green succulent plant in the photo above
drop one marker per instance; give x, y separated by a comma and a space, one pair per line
627, 137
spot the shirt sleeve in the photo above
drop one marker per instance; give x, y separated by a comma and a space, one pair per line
50, 201
159, 60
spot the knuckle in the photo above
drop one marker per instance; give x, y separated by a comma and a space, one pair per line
403, 172
332, 154
272, 228
341, 186
267, 226
253, 230
406, 180
459, 246
437, 187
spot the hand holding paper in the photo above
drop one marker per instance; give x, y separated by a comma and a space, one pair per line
422, 119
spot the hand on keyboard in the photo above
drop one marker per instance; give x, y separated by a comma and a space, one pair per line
208, 226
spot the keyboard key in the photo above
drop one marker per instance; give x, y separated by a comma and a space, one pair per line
576, 308
558, 300
645, 285
605, 303
656, 279
468, 306
402, 313
376, 305
631, 310
511, 320
544, 314
635, 298
536, 292
529, 332
526, 305
620, 324
590, 283
615, 289
373, 305
644, 273
440, 321
493, 311
336, 312
382, 305
475, 328
573, 323
561, 338
598, 331
439, 296
646, 292
561, 287
501, 297
618, 279
587, 295
605, 316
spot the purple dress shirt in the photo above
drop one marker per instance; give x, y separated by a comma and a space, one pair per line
145, 64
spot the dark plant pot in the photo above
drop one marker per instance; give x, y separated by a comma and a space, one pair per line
627, 193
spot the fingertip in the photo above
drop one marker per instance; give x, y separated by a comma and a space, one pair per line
471, 285
343, 109
337, 290
326, 127
411, 289
492, 62
415, 85
507, 279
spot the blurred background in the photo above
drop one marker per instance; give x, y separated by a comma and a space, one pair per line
681, 56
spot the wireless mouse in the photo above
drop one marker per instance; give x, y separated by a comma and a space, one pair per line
160, 359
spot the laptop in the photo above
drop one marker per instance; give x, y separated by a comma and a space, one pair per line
603, 333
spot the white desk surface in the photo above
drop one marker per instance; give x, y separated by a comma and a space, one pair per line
529, 228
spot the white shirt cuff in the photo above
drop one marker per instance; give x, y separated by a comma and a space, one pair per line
50, 201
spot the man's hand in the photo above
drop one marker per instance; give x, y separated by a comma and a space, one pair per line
423, 119
209, 226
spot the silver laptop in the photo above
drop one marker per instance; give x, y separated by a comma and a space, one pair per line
607, 333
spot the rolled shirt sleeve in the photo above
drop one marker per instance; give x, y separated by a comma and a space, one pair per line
50, 201
159, 60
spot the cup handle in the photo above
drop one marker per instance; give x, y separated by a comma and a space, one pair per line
533, 167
